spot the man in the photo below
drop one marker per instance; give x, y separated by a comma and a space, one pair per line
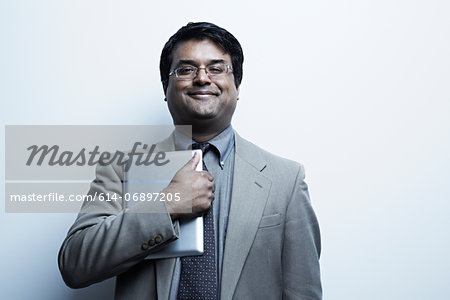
262, 236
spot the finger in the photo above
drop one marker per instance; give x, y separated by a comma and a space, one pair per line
193, 162
196, 160
208, 175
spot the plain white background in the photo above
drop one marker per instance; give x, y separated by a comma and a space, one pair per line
358, 91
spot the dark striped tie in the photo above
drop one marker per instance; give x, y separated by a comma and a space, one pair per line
198, 279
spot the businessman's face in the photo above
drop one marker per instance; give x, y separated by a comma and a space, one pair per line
203, 101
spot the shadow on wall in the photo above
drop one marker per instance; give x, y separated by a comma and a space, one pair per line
102, 290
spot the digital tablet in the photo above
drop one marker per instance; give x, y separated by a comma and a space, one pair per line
152, 179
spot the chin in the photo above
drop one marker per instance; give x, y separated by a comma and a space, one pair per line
205, 116
203, 113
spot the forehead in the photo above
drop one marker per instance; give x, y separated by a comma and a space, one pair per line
199, 51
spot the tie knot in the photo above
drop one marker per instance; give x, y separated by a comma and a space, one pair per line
205, 147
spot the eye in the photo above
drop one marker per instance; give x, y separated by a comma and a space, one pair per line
183, 71
217, 69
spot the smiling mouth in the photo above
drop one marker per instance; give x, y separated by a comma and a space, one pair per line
202, 94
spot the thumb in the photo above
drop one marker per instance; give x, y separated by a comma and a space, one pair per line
194, 161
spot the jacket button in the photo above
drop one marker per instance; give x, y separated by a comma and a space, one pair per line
144, 246
151, 242
158, 239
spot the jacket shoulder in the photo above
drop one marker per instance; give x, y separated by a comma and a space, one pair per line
267, 162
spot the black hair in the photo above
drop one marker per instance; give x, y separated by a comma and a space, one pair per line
201, 31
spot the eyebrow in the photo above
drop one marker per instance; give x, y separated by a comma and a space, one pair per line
193, 62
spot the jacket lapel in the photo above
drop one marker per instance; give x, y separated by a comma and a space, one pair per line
249, 195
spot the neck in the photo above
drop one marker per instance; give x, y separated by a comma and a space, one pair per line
204, 134
200, 138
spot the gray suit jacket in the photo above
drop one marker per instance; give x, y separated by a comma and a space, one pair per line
272, 246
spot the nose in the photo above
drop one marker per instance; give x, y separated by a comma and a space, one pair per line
202, 77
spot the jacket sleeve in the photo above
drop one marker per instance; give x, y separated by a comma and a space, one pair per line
107, 237
301, 246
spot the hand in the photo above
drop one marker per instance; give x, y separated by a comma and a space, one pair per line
196, 190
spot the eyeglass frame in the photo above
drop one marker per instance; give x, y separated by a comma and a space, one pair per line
198, 69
